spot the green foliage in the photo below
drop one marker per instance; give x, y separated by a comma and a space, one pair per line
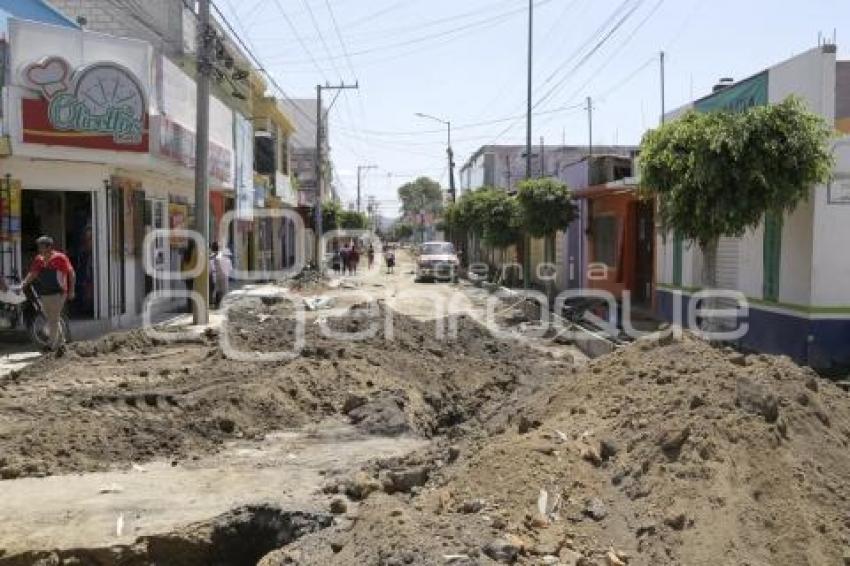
421, 195
331, 215
335, 217
353, 220
717, 174
488, 212
503, 223
402, 231
546, 206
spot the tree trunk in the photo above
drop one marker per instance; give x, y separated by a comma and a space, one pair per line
709, 264
709, 281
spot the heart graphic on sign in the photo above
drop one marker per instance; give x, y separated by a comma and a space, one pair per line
49, 75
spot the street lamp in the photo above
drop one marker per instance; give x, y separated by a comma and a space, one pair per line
449, 151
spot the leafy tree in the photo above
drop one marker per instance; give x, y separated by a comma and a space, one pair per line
470, 212
503, 221
331, 215
402, 230
546, 206
421, 195
353, 220
718, 174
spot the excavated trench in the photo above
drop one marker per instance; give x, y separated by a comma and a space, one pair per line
237, 538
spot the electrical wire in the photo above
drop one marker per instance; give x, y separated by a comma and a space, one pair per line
485, 22
341, 40
310, 119
298, 37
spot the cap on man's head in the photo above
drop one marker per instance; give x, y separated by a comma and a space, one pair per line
46, 241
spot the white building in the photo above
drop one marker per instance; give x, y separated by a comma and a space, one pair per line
97, 150
795, 270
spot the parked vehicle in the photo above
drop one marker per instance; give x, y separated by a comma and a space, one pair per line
21, 312
437, 261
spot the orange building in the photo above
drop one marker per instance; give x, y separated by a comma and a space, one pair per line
620, 234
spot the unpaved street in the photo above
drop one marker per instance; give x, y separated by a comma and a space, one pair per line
166, 435
414, 444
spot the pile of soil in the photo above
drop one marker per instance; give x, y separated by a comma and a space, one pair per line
130, 398
661, 453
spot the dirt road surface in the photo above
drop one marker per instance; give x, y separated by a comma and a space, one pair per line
415, 444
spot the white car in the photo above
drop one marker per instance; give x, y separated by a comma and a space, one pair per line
437, 261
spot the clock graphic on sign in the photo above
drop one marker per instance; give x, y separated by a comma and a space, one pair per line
104, 87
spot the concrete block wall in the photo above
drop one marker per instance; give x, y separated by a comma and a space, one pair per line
159, 22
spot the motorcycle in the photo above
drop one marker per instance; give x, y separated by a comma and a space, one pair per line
21, 311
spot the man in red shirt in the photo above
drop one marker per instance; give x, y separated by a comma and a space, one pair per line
54, 278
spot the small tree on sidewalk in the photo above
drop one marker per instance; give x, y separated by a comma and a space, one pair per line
546, 207
718, 174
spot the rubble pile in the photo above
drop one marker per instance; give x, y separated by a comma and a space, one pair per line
664, 452
676, 453
132, 398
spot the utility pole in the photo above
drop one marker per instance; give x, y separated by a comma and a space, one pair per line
542, 158
529, 103
359, 169
589, 127
319, 254
526, 243
589, 141
663, 97
200, 310
451, 155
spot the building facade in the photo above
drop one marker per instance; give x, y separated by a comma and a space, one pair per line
98, 150
504, 166
792, 268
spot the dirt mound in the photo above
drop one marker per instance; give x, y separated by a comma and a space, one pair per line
679, 453
129, 398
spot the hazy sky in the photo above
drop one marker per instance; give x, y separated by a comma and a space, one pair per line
465, 61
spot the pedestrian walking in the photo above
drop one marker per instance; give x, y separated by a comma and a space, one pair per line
344, 258
221, 267
370, 255
54, 278
336, 261
389, 255
187, 267
353, 259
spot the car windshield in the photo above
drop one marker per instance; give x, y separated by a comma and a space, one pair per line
440, 248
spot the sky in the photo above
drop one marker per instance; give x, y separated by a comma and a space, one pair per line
466, 62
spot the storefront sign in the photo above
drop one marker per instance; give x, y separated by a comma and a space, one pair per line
738, 97
10, 210
244, 146
177, 144
99, 106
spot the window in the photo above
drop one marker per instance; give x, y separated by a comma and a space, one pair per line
604, 233
438, 248
264, 153
772, 255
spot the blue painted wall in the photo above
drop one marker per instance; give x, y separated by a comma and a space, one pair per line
777, 333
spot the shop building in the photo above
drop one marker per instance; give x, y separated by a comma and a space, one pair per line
99, 138
793, 267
